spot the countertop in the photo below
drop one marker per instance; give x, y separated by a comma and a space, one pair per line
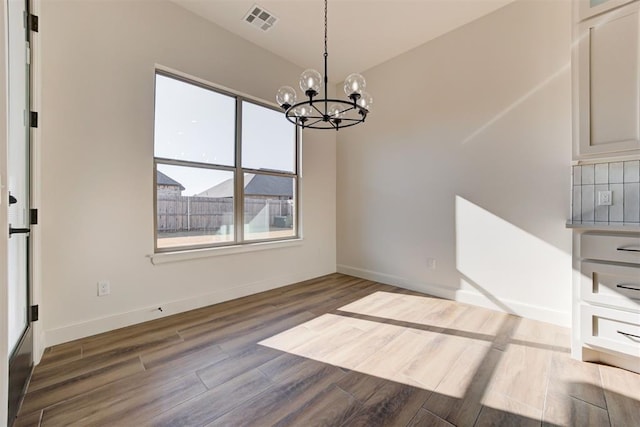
633, 227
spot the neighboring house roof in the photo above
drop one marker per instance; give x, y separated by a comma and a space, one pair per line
162, 179
254, 185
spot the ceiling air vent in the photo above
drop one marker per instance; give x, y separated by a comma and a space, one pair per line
260, 18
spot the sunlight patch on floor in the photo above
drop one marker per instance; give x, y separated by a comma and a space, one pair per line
415, 357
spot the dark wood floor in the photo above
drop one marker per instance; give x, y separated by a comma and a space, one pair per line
205, 367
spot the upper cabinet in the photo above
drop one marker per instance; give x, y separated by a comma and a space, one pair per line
589, 8
608, 82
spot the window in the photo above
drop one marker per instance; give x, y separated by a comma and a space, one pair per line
221, 160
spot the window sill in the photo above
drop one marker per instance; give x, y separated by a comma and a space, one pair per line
177, 256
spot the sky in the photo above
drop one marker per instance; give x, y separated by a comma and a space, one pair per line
197, 124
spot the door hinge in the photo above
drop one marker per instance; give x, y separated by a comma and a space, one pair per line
33, 119
34, 313
33, 216
33, 23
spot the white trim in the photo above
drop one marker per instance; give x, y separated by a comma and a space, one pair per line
109, 323
165, 257
189, 77
4, 223
518, 308
389, 279
36, 196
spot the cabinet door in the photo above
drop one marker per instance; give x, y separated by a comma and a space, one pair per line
609, 83
589, 8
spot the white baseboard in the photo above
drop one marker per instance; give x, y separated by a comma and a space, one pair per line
401, 282
518, 308
120, 320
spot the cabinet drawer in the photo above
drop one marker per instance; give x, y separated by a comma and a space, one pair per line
608, 284
611, 329
610, 247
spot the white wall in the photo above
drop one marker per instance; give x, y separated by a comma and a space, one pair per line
465, 159
97, 172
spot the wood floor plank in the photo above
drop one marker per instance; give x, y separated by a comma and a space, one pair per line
318, 292
216, 402
130, 408
522, 365
563, 410
347, 296
458, 397
184, 357
417, 358
391, 405
241, 361
360, 386
500, 410
576, 379
260, 332
49, 376
60, 355
298, 382
236, 325
139, 341
230, 322
426, 418
165, 371
81, 383
332, 407
622, 394
29, 420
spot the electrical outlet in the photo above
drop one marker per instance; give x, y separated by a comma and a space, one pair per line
604, 198
104, 288
431, 263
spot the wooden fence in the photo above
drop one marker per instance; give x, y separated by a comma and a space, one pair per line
184, 213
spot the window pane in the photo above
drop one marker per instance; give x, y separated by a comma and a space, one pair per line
193, 123
194, 206
269, 207
268, 139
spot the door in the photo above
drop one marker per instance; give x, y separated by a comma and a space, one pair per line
20, 332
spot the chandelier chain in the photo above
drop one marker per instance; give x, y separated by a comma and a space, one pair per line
325, 28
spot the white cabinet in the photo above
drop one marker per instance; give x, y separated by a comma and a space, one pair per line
607, 60
589, 8
610, 329
607, 306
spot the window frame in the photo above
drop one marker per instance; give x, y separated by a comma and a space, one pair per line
237, 169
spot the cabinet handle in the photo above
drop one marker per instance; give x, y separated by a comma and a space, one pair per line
628, 335
628, 250
630, 287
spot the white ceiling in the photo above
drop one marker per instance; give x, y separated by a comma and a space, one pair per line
362, 33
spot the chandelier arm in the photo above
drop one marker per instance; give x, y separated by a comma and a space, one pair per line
316, 108
351, 107
313, 123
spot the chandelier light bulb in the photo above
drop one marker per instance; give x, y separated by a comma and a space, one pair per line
365, 101
335, 111
286, 97
310, 80
303, 111
354, 84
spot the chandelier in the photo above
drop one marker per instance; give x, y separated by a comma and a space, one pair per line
325, 113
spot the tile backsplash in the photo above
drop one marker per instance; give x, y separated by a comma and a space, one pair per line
621, 178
